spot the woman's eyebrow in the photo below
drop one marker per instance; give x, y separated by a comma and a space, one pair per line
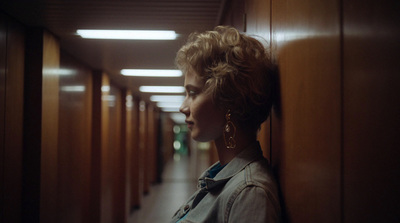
190, 86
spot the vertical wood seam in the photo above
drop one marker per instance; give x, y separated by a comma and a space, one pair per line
341, 54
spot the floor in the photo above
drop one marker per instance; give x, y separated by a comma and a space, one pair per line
179, 182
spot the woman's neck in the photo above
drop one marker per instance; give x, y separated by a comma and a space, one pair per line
225, 155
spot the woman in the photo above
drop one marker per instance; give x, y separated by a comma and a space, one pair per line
228, 96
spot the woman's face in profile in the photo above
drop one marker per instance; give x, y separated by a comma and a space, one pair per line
203, 118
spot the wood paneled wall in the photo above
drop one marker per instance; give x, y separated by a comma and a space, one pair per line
371, 111
96, 147
132, 148
310, 122
153, 117
143, 147
12, 36
334, 127
49, 127
113, 153
135, 167
332, 138
40, 152
3, 68
74, 148
74, 145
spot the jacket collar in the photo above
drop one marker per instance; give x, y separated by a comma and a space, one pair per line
247, 156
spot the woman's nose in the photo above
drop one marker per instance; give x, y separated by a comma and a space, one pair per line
184, 108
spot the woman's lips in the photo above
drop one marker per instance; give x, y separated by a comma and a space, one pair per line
189, 124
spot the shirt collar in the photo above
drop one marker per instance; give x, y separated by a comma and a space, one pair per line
247, 156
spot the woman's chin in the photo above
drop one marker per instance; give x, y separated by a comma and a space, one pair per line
198, 137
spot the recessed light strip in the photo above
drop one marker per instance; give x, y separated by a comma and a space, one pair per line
162, 89
170, 109
166, 98
127, 34
169, 104
151, 73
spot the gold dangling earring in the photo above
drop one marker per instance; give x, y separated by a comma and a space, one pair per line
229, 132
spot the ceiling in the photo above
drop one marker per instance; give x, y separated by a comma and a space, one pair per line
64, 17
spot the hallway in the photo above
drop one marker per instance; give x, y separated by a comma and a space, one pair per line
179, 182
80, 142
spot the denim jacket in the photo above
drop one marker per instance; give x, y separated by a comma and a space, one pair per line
243, 191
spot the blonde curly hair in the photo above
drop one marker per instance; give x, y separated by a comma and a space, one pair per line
236, 70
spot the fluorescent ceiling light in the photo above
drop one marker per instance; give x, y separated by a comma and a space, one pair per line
127, 34
165, 98
169, 104
162, 89
74, 88
170, 109
59, 71
151, 73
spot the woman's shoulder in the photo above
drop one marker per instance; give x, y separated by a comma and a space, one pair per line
254, 186
255, 174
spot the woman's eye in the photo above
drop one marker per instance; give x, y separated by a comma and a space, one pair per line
192, 93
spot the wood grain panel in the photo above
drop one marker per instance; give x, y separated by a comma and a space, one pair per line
135, 157
157, 143
371, 87
128, 148
74, 150
152, 150
130, 143
234, 14
123, 195
49, 153
306, 41
96, 147
143, 147
258, 16
258, 24
150, 144
3, 52
40, 127
115, 154
106, 173
12, 82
